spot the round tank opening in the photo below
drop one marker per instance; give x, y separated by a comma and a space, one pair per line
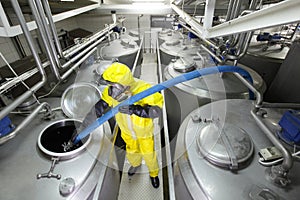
56, 136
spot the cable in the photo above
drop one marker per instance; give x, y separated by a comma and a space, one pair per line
17, 76
45, 95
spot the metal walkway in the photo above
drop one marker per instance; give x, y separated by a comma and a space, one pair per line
139, 185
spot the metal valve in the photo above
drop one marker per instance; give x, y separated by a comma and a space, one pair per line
50, 173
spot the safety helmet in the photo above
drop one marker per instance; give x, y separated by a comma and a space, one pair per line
118, 73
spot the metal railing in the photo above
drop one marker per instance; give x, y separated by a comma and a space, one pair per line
166, 134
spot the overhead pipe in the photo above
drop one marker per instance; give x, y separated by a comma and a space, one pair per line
42, 15
29, 39
229, 10
68, 73
69, 52
157, 88
25, 122
47, 43
52, 27
53, 54
83, 52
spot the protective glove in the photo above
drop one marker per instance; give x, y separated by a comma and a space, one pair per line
141, 111
96, 111
119, 92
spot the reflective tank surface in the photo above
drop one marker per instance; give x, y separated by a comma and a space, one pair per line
34, 167
124, 50
189, 95
169, 35
217, 156
132, 35
175, 48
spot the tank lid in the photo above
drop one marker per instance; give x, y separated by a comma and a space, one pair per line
79, 98
165, 32
184, 65
128, 43
225, 145
133, 33
172, 42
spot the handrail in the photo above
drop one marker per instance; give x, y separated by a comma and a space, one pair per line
166, 134
137, 55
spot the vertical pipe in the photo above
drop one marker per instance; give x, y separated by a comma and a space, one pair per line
45, 39
48, 32
229, 10
53, 27
37, 86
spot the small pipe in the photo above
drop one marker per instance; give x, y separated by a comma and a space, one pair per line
53, 27
37, 86
164, 85
43, 32
24, 123
211, 53
287, 163
250, 86
68, 73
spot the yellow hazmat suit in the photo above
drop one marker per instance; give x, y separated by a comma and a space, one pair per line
137, 132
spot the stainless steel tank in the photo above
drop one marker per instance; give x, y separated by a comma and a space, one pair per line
189, 95
132, 35
175, 48
124, 50
217, 156
34, 165
169, 35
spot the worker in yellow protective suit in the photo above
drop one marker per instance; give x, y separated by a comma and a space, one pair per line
135, 121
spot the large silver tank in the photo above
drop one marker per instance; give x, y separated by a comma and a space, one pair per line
169, 35
189, 95
202, 164
124, 50
22, 162
266, 63
175, 48
132, 35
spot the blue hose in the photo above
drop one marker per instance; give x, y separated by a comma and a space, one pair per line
164, 85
